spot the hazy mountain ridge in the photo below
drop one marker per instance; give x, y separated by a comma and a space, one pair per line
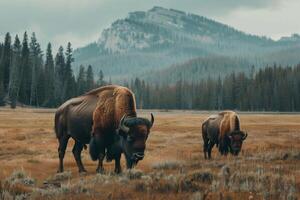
200, 68
156, 39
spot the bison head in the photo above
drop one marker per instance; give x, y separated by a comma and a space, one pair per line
134, 133
236, 141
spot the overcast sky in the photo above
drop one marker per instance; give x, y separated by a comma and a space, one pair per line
81, 21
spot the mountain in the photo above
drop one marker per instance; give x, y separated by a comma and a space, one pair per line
148, 42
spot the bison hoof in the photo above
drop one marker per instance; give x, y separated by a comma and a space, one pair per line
82, 171
60, 171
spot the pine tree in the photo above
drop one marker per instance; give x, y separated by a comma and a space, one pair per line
49, 78
1, 56
2, 94
100, 81
59, 75
90, 84
219, 94
178, 94
138, 93
41, 84
36, 63
6, 61
81, 81
14, 79
26, 73
69, 80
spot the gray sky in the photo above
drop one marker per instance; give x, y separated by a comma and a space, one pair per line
82, 21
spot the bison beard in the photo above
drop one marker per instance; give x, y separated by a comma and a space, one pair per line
129, 138
224, 131
93, 119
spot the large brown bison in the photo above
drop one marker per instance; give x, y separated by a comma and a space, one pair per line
106, 119
224, 131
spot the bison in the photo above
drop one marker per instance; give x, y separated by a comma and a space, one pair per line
106, 119
223, 130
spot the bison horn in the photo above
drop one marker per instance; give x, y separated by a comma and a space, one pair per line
245, 136
152, 120
122, 126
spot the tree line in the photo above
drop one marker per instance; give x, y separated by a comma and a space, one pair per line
273, 88
28, 77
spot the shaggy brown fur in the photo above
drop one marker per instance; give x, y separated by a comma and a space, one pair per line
94, 119
224, 131
230, 122
114, 102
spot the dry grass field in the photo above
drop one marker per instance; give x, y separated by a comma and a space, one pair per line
174, 168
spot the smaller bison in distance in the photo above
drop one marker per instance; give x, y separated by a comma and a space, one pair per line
106, 119
223, 130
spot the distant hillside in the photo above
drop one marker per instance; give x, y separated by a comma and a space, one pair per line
154, 40
196, 69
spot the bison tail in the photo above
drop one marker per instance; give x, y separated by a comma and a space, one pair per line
94, 151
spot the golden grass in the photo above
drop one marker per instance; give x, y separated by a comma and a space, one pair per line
173, 168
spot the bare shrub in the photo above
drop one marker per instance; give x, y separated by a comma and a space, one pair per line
6, 195
292, 193
242, 181
201, 176
224, 176
49, 193
167, 184
20, 177
17, 186
197, 196
268, 184
133, 174
215, 185
80, 187
195, 181
158, 182
144, 184
104, 179
291, 154
169, 164
60, 177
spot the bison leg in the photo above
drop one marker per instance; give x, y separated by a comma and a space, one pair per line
209, 148
221, 146
205, 148
77, 155
118, 168
100, 168
205, 139
63, 142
